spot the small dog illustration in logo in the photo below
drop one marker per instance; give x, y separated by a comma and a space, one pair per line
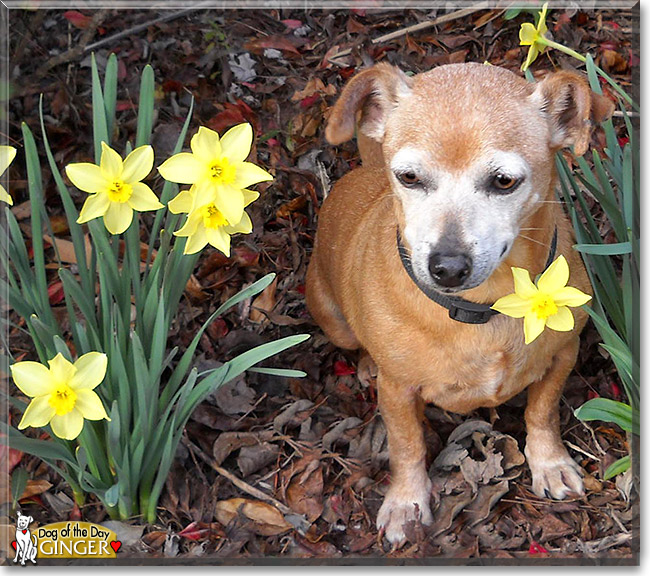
25, 542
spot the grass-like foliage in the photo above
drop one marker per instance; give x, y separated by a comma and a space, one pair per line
121, 300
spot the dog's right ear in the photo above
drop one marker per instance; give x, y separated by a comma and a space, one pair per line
371, 95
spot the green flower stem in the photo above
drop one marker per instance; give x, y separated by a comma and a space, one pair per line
551, 44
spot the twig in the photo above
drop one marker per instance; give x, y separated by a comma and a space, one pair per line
245, 487
74, 52
584, 452
139, 28
429, 23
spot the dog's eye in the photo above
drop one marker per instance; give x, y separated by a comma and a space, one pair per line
408, 179
504, 182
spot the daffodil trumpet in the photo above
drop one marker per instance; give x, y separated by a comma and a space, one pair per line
545, 303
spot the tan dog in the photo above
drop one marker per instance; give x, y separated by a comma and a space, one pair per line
460, 162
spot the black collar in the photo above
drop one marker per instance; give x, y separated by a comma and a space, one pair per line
460, 309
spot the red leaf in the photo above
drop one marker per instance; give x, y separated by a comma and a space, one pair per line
77, 19
310, 100
258, 45
172, 86
194, 531
292, 24
536, 548
342, 368
75, 513
55, 292
616, 390
231, 115
591, 395
122, 105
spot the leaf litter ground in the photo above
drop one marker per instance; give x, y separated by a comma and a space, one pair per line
296, 468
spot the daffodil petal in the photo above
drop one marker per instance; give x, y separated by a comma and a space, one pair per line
91, 370
527, 34
192, 223
220, 239
196, 241
244, 226
250, 196
236, 143
182, 203
4, 196
555, 277
247, 174
183, 168
205, 192
230, 202
143, 198
533, 327
32, 378
38, 413
90, 405
87, 177
563, 321
569, 296
138, 164
67, 426
524, 286
205, 145
95, 206
118, 217
7, 155
533, 52
61, 369
512, 305
541, 25
110, 163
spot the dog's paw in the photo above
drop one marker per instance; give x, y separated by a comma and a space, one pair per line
556, 477
399, 508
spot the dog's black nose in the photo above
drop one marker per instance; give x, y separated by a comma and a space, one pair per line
449, 270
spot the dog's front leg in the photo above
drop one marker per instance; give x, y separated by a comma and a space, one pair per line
555, 473
408, 496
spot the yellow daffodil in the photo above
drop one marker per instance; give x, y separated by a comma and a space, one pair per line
206, 224
115, 187
544, 304
534, 36
7, 155
63, 394
217, 170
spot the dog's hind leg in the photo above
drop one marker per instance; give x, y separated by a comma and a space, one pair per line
555, 473
326, 311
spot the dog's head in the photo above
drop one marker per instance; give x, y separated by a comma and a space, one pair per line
468, 150
23, 522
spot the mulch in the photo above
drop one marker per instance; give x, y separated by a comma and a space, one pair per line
296, 469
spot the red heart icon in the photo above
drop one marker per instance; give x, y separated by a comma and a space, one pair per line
116, 545
24, 531
14, 544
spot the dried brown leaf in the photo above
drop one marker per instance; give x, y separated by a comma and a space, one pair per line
263, 518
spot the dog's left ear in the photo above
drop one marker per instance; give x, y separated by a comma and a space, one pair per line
29, 520
572, 109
